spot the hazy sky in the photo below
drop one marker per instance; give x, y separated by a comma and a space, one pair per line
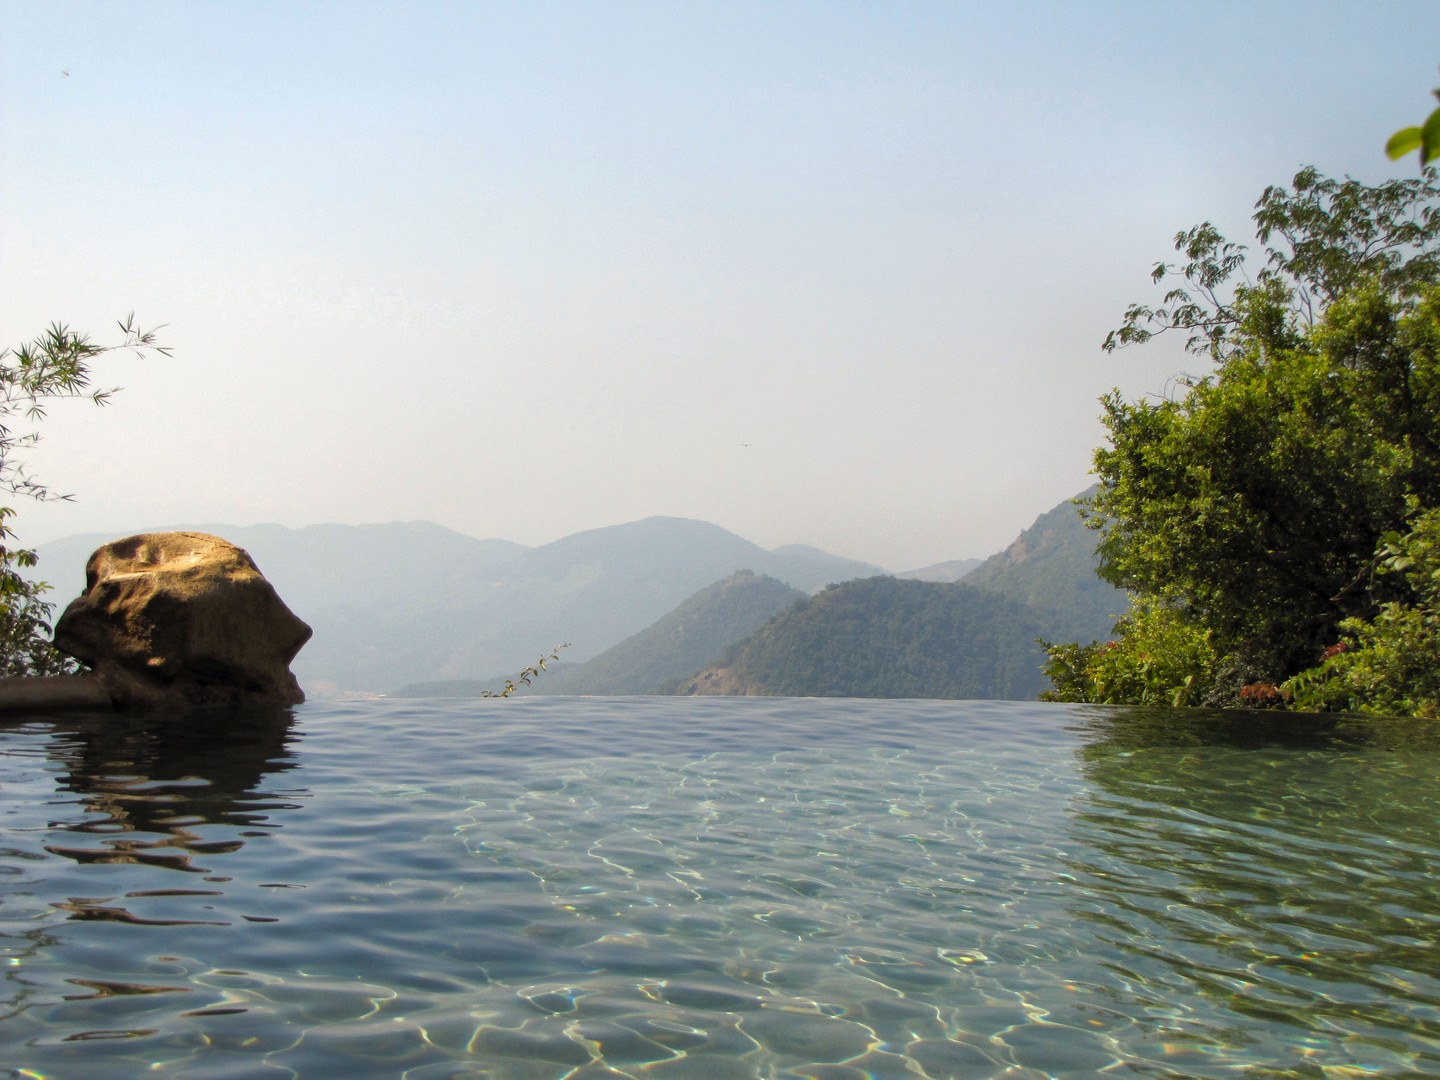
825, 273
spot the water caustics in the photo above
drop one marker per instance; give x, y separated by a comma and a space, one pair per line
717, 888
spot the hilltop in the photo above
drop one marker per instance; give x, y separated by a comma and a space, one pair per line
885, 637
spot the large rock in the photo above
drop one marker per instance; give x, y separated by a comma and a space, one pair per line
182, 619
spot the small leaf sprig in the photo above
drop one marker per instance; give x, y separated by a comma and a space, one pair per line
527, 674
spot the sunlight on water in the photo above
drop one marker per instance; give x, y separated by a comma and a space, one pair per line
717, 888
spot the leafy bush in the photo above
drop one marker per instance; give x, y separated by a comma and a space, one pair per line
1388, 664
1158, 657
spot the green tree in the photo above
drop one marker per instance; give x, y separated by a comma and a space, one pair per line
55, 365
1244, 513
1388, 664
1320, 238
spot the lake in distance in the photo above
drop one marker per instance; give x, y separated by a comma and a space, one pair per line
718, 888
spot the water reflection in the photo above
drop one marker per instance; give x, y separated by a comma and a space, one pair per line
1106, 730
126, 819
1282, 867
148, 784
145, 789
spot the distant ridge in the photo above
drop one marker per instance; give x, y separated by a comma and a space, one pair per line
885, 637
402, 603
954, 570
918, 636
679, 644
420, 607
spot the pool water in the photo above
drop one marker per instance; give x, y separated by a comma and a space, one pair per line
652, 887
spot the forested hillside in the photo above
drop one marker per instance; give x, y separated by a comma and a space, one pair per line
886, 637
1051, 568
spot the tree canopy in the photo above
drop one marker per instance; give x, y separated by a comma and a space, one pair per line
1247, 514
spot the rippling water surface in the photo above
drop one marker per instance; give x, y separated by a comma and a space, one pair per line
718, 888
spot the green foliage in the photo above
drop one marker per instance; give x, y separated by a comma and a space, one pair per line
1320, 238
1254, 502
1157, 658
55, 365
1388, 664
1244, 513
25, 625
1425, 139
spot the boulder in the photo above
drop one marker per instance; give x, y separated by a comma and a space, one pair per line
179, 619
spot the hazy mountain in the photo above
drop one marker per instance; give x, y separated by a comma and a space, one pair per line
916, 638
395, 604
1051, 568
412, 603
886, 637
953, 570
319, 565
682, 642
679, 644
811, 569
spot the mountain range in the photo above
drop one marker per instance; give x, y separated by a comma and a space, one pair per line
864, 637
886, 637
678, 645
417, 609
400, 603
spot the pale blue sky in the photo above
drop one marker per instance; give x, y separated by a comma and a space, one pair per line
824, 273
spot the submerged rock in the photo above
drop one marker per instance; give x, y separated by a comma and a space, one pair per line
182, 619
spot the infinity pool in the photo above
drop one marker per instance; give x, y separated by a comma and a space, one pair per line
657, 887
